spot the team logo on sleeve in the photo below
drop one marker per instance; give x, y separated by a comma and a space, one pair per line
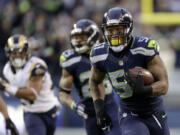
62, 59
39, 71
153, 44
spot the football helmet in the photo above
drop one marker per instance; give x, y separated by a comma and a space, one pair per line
120, 20
17, 50
88, 28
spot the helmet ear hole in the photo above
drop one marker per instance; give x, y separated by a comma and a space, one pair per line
26, 47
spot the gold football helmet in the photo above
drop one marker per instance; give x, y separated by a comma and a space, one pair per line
17, 50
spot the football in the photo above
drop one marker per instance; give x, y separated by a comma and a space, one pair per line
147, 75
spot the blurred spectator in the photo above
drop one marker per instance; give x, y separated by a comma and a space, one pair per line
175, 43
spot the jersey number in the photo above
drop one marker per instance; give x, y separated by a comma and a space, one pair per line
117, 80
86, 89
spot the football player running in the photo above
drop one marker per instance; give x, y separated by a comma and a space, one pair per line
28, 79
76, 67
142, 109
10, 127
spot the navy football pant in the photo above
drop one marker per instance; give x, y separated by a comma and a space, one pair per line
40, 123
135, 124
112, 110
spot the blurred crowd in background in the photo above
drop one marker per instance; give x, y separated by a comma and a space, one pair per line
47, 23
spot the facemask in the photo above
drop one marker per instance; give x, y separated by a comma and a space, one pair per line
18, 63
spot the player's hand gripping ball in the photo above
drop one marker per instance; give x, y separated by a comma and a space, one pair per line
147, 75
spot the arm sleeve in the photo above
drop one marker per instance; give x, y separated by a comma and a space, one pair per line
38, 69
98, 61
65, 63
153, 46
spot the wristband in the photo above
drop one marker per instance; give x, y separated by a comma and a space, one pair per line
145, 91
99, 106
73, 104
11, 89
148, 91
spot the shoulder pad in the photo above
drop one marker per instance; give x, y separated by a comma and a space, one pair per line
144, 45
99, 53
153, 44
33, 60
68, 58
38, 69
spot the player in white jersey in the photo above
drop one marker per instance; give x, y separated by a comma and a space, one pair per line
28, 79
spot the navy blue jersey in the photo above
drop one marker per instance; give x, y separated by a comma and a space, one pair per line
139, 53
79, 66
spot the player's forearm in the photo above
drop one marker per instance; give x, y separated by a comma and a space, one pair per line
66, 99
3, 109
96, 92
26, 93
160, 88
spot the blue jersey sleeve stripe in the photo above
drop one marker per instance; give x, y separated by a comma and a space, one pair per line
141, 50
71, 62
95, 59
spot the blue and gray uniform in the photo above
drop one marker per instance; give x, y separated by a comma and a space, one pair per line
79, 67
139, 53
